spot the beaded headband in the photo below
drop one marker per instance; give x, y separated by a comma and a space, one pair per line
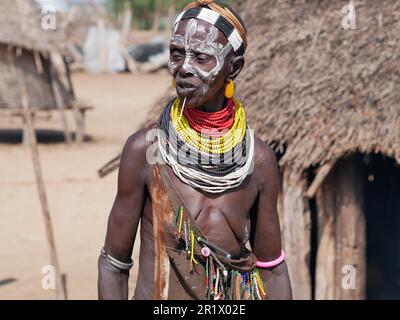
219, 22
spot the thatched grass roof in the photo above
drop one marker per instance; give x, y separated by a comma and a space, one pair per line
21, 25
317, 90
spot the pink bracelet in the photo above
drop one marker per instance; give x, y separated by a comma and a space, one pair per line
271, 264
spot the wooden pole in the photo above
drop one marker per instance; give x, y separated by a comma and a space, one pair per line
126, 26
38, 62
78, 114
69, 78
323, 171
109, 166
297, 232
60, 289
157, 15
59, 102
125, 32
25, 130
325, 273
74, 52
103, 46
350, 225
171, 15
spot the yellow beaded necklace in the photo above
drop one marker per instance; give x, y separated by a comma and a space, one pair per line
206, 144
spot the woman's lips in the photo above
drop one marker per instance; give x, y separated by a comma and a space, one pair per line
185, 89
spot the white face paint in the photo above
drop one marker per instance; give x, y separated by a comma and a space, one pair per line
193, 46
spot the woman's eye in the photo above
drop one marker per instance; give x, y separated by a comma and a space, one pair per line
176, 56
202, 58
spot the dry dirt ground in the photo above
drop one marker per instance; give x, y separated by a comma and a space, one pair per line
79, 200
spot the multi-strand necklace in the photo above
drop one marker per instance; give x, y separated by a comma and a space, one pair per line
209, 151
200, 139
213, 123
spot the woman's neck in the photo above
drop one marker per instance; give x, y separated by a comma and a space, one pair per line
216, 104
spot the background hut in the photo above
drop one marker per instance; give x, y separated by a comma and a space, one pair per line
26, 51
326, 98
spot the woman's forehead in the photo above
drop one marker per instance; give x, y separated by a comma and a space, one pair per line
197, 29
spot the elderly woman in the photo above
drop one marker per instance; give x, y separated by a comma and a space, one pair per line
203, 187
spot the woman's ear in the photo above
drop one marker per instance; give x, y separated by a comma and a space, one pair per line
236, 66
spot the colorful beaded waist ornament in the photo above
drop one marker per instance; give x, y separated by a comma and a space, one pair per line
209, 272
225, 278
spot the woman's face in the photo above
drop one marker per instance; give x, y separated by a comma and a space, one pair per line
199, 61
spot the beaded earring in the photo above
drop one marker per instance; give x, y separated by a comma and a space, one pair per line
174, 83
230, 89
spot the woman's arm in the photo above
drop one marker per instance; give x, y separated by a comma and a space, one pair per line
267, 234
124, 220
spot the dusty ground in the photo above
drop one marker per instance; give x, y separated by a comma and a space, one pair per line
79, 201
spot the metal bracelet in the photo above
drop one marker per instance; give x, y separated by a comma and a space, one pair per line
116, 263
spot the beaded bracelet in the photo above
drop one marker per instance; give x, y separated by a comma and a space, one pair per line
271, 264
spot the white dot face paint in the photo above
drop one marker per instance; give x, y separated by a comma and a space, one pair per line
193, 44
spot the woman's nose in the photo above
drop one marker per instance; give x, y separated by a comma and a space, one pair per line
187, 69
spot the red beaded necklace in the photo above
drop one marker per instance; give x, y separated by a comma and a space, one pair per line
211, 123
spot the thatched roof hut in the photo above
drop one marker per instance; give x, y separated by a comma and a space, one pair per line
21, 26
26, 51
22, 34
322, 94
327, 91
